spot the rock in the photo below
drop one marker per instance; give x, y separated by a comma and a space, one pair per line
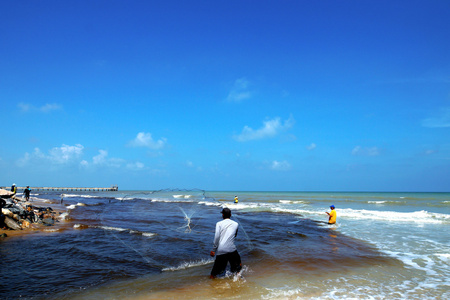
6, 194
26, 224
7, 212
12, 224
48, 221
9, 203
16, 209
22, 216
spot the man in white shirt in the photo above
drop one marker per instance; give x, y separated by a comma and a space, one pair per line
226, 231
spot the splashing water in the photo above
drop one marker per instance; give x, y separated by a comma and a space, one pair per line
166, 228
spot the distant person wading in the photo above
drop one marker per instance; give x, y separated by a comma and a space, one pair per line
331, 215
27, 192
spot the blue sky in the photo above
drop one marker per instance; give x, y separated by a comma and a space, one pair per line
226, 95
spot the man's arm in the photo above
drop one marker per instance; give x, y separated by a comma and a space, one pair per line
216, 240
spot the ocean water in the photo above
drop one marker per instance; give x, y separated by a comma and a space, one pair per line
156, 244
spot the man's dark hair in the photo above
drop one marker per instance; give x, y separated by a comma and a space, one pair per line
226, 212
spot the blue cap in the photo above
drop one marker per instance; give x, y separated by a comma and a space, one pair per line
332, 206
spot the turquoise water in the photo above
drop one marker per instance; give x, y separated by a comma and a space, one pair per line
155, 245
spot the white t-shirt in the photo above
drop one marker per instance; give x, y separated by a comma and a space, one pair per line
226, 231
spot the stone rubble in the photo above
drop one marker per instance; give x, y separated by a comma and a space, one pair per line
19, 214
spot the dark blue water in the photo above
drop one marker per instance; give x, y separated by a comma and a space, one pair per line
114, 239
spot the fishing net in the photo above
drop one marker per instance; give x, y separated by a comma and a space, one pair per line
167, 229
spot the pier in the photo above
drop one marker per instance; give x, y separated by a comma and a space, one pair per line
113, 188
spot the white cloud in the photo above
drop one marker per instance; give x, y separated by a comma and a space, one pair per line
100, 158
239, 91
103, 160
135, 166
57, 156
366, 151
145, 140
441, 119
66, 153
22, 162
50, 107
24, 107
311, 147
191, 165
356, 150
270, 129
47, 108
280, 165
429, 152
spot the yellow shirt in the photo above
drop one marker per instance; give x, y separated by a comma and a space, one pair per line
332, 219
235, 199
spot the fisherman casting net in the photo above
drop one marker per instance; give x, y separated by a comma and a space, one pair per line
168, 229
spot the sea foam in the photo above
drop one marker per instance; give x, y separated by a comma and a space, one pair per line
191, 264
393, 216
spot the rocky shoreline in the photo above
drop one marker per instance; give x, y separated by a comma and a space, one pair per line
20, 217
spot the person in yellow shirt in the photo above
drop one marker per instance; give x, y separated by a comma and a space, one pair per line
236, 199
332, 215
14, 188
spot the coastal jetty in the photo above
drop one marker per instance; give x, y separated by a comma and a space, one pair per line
112, 188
